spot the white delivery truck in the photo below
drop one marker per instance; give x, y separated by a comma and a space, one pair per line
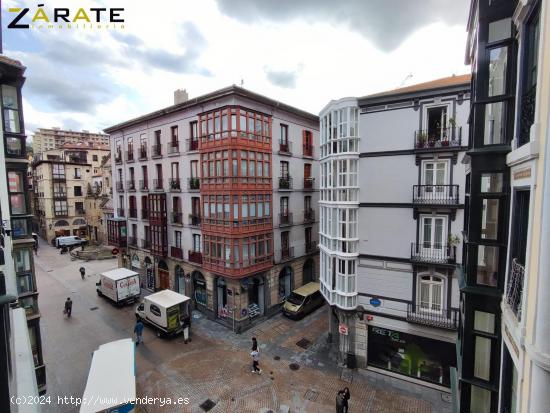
167, 312
121, 286
111, 385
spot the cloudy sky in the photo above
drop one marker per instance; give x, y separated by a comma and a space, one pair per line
301, 52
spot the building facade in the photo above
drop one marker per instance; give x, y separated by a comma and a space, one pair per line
61, 180
390, 240
47, 139
23, 371
218, 197
98, 202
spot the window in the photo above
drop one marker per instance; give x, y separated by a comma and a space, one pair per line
18, 202
78, 173
60, 208
436, 123
484, 322
79, 207
284, 169
77, 191
284, 205
24, 284
480, 400
284, 134
500, 30
194, 169
196, 243
177, 238
174, 135
10, 106
155, 310
491, 182
494, 132
431, 294
520, 224
498, 58
489, 219
94, 158
434, 173
433, 233
22, 260
487, 265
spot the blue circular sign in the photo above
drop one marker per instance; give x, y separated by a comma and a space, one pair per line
375, 302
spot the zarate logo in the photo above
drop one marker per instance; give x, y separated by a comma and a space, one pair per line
65, 18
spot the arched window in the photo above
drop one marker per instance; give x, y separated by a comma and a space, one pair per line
431, 293
61, 223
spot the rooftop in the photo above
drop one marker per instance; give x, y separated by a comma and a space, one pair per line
230, 90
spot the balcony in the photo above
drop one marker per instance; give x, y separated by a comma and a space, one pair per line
61, 213
158, 185
194, 220
144, 214
146, 244
285, 183
143, 186
156, 151
195, 256
438, 139
142, 153
285, 148
309, 184
309, 216
132, 242
58, 177
173, 148
310, 247
120, 212
80, 211
433, 315
192, 145
118, 157
285, 219
60, 195
132, 213
176, 218
119, 186
175, 184
435, 195
130, 155
514, 288
193, 184
131, 184
176, 252
435, 253
287, 253
307, 150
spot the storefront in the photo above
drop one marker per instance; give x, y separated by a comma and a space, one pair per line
414, 356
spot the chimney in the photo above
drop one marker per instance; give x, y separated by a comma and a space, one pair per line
180, 96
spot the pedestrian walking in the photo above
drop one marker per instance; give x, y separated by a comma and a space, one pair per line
82, 272
138, 329
254, 344
347, 396
68, 307
340, 401
256, 361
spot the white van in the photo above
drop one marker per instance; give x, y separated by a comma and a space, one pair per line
120, 285
69, 241
167, 312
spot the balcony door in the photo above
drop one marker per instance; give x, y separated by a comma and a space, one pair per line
433, 236
284, 169
436, 123
435, 175
430, 294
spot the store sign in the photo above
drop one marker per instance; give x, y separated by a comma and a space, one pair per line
524, 173
343, 329
375, 302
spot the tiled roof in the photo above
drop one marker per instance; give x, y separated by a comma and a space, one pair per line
432, 84
11, 62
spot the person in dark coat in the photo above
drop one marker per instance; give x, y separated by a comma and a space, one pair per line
347, 396
138, 329
254, 344
68, 307
82, 272
340, 401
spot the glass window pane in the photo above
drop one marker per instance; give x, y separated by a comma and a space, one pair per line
482, 358
489, 219
484, 322
480, 400
15, 180
497, 71
487, 265
494, 124
500, 30
22, 260
18, 204
491, 182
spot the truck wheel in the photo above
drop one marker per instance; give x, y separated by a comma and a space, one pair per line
99, 293
138, 318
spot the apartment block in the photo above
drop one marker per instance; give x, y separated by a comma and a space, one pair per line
98, 203
54, 138
62, 178
391, 213
215, 197
23, 372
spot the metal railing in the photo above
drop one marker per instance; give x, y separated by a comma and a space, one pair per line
176, 252
311, 246
309, 183
158, 185
195, 256
287, 253
61, 194
156, 150
142, 153
285, 182
174, 147
192, 145
146, 244
132, 212
144, 214
131, 184
130, 155
175, 184
285, 147
285, 218
132, 241
119, 186
193, 184
435, 253
120, 212
307, 150
438, 138
80, 211
177, 218
118, 157
194, 220
309, 215
433, 315
435, 194
143, 185
514, 287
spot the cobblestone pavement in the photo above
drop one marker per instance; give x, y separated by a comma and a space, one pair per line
215, 365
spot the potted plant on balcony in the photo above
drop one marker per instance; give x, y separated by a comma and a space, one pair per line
421, 139
454, 241
195, 183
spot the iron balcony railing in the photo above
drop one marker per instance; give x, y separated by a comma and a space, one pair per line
143, 185
311, 246
285, 182
176, 252
193, 184
433, 253
142, 153
309, 183
433, 138
307, 150
192, 145
433, 315
144, 214
80, 211
174, 147
61, 194
158, 184
118, 157
309, 215
130, 155
177, 218
435, 194
285, 147
132, 241
195, 256
131, 184
146, 244
514, 288
119, 186
175, 184
132, 212
120, 212
285, 218
156, 150
287, 253
194, 220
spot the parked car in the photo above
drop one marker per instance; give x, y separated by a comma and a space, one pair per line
121, 286
303, 301
166, 311
69, 241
